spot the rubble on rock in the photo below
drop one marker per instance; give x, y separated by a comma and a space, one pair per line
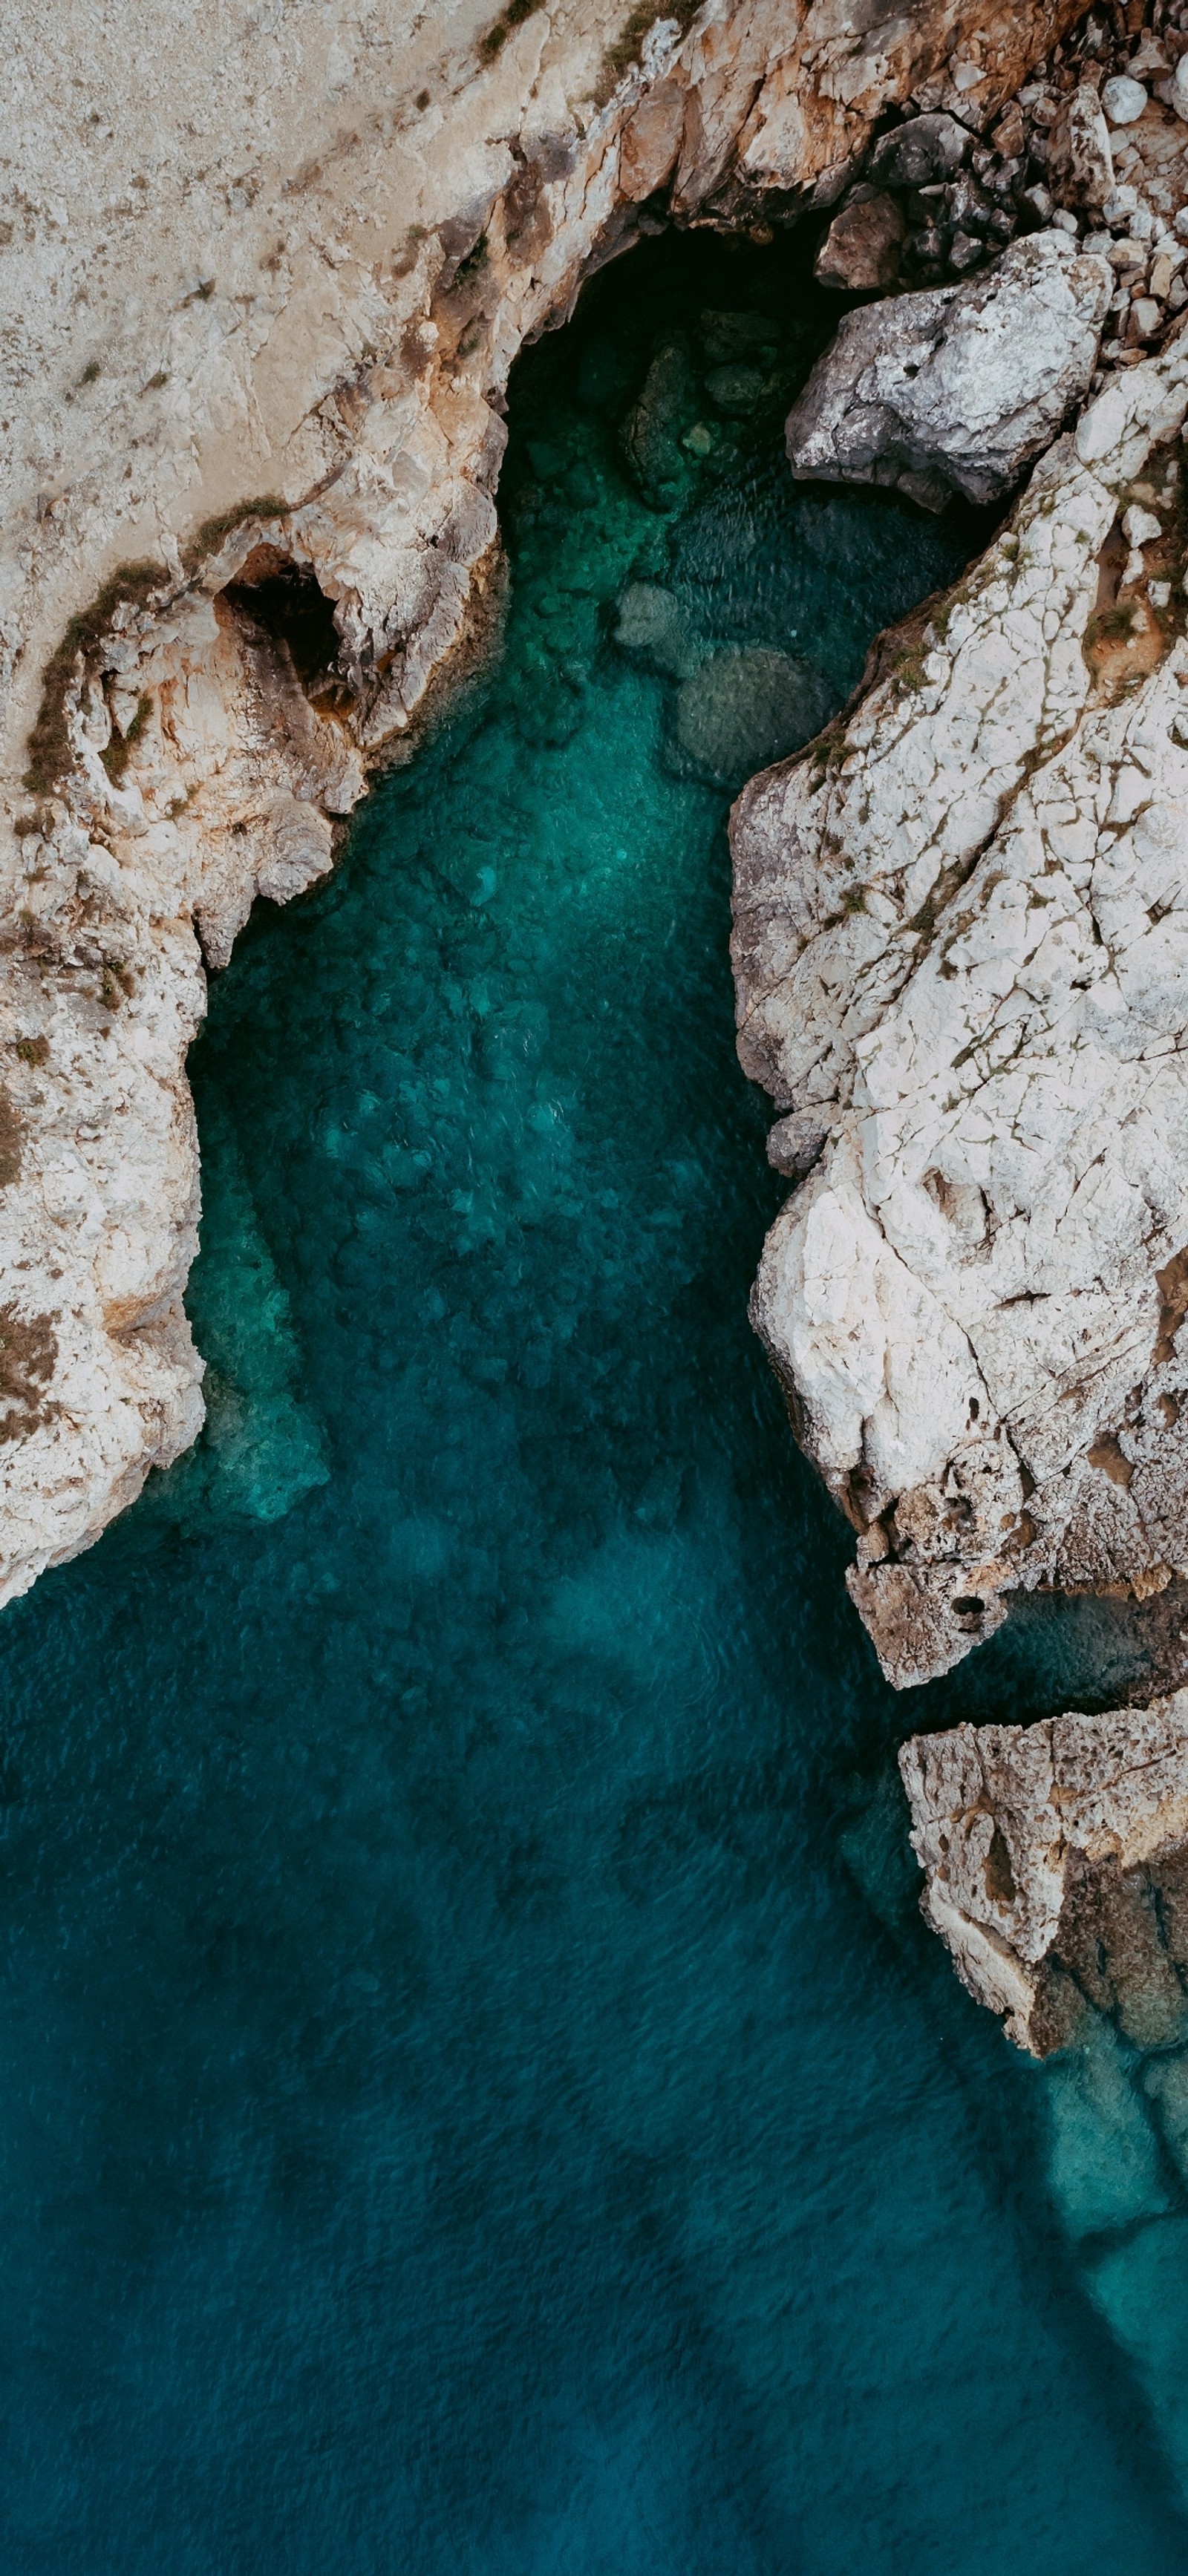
1093, 142
960, 389
1056, 1867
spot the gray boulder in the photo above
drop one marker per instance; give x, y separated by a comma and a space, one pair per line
958, 389
919, 153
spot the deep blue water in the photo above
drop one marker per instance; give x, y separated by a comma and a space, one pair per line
477, 2100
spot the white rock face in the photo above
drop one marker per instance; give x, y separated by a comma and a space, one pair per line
959, 389
1056, 1866
262, 304
961, 943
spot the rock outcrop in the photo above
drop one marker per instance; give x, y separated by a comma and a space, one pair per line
958, 390
959, 928
1056, 1867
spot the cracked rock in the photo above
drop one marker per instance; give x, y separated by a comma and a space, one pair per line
1080, 162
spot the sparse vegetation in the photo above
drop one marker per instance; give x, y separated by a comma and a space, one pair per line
28, 1354
11, 1134
210, 535
119, 750
49, 744
33, 1051
909, 672
512, 16
473, 264
1111, 625
628, 44
113, 987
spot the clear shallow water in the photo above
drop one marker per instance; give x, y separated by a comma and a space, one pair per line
476, 2096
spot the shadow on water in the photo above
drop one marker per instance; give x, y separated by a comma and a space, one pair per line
459, 2113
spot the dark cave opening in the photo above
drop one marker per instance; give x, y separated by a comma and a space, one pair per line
286, 600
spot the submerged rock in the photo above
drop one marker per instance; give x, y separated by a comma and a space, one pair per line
958, 389
738, 338
652, 432
736, 390
745, 706
654, 629
1056, 1867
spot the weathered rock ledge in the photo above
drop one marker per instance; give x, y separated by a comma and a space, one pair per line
1056, 1868
262, 325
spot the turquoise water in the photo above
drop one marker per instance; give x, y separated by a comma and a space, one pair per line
477, 2099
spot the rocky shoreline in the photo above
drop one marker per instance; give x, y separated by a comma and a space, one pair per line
254, 528
957, 957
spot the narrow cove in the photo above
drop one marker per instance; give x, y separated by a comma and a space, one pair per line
477, 2097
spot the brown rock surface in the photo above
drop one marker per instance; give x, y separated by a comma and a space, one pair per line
862, 246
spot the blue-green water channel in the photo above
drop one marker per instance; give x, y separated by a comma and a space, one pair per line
476, 2100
